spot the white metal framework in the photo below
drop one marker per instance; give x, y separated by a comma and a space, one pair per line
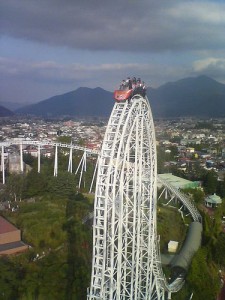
40, 144
126, 262
126, 257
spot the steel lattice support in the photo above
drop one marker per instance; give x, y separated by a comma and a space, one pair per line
125, 249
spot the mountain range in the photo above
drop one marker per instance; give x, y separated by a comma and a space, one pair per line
82, 102
200, 96
195, 96
5, 112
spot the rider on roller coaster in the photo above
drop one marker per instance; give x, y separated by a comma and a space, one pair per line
129, 88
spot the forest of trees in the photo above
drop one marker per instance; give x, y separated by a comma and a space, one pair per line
58, 262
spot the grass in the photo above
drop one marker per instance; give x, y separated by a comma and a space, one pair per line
40, 221
170, 227
63, 246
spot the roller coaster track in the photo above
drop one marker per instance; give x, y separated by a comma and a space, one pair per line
48, 143
185, 200
126, 257
126, 254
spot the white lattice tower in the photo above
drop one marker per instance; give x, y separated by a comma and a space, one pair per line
125, 248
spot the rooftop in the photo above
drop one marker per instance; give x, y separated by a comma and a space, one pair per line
178, 182
5, 226
214, 199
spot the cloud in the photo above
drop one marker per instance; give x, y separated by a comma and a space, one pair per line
54, 71
122, 25
32, 81
211, 66
109, 40
67, 73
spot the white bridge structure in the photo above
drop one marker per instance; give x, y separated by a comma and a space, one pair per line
126, 263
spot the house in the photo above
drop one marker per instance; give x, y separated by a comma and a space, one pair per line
10, 238
212, 201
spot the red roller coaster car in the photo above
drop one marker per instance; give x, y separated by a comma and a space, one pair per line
122, 95
129, 88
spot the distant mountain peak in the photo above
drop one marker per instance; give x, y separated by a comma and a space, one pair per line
81, 102
192, 96
5, 112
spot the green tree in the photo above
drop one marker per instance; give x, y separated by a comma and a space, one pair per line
210, 182
219, 250
79, 244
197, 194
36, 183
15, 185
64, 139
9, 280
63, 185
202, 277
29, 159
221, 188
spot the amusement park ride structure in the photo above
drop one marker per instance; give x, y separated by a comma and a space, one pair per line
126, 261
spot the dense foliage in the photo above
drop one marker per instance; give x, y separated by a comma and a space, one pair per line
49, 212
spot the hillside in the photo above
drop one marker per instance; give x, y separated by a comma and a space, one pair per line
81, 102
198, 96
4, 112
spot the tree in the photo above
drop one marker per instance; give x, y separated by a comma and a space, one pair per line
202, 277
219, 250
63, 185
78, 244
15, 186
197, 194
36, 183
221, 188
9, 280
210, 182
64, 139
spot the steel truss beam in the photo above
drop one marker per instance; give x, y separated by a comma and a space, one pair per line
126, 262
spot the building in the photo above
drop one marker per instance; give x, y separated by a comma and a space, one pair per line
178, 182
10, 238
172, 246
15, 164
212, 201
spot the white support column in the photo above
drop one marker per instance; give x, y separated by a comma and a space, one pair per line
80, 163
21, 158
39, 158
83, 168
93, 178
70, 164
166, 194
3, 165
56, 161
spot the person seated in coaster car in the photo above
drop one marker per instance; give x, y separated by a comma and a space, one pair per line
125, 91
129, 88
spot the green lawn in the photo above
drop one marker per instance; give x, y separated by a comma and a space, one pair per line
54, 230
170, 226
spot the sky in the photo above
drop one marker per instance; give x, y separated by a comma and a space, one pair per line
50, 47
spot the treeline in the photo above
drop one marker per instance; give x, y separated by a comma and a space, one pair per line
21, 186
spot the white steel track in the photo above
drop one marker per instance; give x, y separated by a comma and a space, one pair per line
126, 262
48, 143
126, 257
